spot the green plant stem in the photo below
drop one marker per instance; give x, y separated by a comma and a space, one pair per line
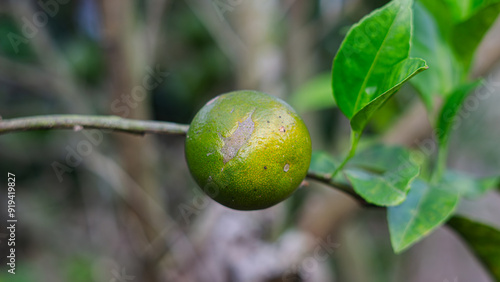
79, 122
355, 136
440, 164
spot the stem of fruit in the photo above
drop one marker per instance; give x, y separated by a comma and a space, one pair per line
355, 136
79, 122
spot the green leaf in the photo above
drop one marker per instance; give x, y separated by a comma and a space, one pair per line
450, 109
463, 9
378, 189
382, 158
322, 164
426, 208
483, 239
398, 75
468, 186
388, 173
467, 35
442, 14
446, 35
464, 23
428, 43
449, 13
373, 62
314, 95
445, 122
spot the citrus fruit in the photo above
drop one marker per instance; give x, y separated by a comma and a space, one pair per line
248, 150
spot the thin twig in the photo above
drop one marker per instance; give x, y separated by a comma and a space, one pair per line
79, 122
344, 187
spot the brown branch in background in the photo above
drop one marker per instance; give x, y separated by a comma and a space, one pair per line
29, 77
79, 122
126, 54
154, 15
52, 61
39, 81
225, 37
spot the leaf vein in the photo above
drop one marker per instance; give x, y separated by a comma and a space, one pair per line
414, 216
370, 70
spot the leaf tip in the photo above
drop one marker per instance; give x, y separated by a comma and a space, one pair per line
398, 247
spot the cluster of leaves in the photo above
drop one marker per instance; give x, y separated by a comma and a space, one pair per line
379, 54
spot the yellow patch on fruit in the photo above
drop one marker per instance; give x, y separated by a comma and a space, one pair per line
248, 150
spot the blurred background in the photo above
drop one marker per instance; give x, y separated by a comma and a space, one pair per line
100, 206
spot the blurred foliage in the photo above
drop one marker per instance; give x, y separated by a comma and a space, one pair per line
62, 218
8, 31
483, 239
79, 269
86, 60
314, 95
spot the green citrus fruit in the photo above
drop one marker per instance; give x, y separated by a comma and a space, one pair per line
248, 150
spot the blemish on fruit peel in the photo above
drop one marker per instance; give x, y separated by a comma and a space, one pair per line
256, 143
286, 168
234, 142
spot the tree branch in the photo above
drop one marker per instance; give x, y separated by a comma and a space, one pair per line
79, 122
344, 187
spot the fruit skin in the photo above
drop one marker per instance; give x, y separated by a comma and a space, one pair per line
248, 150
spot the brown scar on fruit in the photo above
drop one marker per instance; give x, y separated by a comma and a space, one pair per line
282, 129
234, 142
